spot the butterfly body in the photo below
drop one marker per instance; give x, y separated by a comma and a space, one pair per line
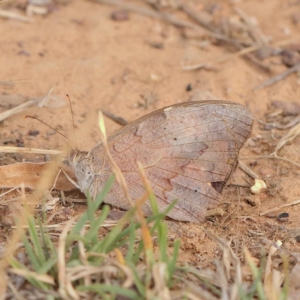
188, 152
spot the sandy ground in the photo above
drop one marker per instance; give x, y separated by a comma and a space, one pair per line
119, 66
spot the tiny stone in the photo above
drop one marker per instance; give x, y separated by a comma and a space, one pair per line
33, 132
120, 15
189, 87
284, 171
283, 217
253, 201
51, 132
251, 143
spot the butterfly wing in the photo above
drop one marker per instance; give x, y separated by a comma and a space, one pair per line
188, 151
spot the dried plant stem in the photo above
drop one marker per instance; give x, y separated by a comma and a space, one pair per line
148, 12
115, 168
115, 118
34, 199
278, 77
279, 207
221, 59
12, 15
16, 109
5, 149
272, 157
288, 137
247, 170
254, 31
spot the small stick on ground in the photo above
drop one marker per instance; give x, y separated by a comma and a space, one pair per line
254, 31
115, 118
279, 207
288, 137
4, 115
197, 17
278, 77
221, 59
273, 157
247, 170
11, 15
235, 43
6, 149
148, 12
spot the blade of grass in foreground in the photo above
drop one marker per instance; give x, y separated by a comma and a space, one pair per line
98, 252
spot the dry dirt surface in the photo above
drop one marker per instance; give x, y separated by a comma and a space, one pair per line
130, 64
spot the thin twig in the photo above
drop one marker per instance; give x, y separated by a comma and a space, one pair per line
273, 157
115, 118
221, 59
216, 33
288, 137
148, 12
278, 77
6, 149
12, 15
254, 31
16, 109
279, 207
247, 170
197, 17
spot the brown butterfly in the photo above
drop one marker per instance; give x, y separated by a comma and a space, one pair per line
188, 151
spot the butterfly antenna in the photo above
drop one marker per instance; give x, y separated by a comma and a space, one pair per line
72, 113
32, 117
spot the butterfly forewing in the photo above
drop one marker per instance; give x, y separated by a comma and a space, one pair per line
188, 152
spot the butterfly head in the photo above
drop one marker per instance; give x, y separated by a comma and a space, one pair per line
82, 165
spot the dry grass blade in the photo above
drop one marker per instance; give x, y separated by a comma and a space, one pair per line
14, 16
35, 198
66, 289
3, 2
7, 149
289, 137
256, 34
278, 77
113, 117
273, 278
121, 180
230, 262
14, 82
6, 114
247, 170
148, 12
221, 59
40, 277
159, 271
116, 170
279, 207
29, 174
271, 157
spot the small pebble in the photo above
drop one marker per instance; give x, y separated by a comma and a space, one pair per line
251, 143
297, 238
120, 15
33, 132
189, 87
283, 217
253, 201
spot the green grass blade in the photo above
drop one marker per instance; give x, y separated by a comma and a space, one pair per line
173, 260
114, 290
99, 199
131, 242
36, 244
31, 254
92, 233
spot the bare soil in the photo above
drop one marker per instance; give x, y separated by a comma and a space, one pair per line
133, 67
